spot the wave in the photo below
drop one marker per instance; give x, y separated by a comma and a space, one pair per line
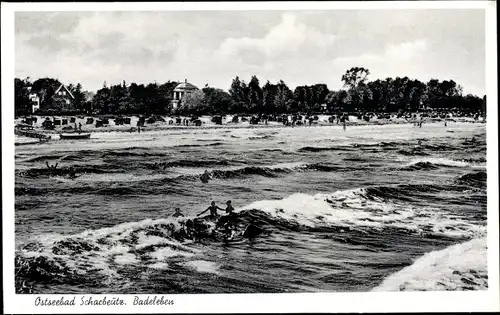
104, 181
369, 209
263, 137
103, 253
132, 154
433, 163
166, 243
437, 147
413, 152
190, 163
72, 258
270, 171
198, 145
320, 149
476, 179
385, 146
458, 267
65, 171
67, 157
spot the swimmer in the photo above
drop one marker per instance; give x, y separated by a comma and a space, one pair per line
213, 210
229, 207
51, 167
72, 173
177, 213
205, 177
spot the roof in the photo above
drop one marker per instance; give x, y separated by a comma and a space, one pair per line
185, 86
63, 86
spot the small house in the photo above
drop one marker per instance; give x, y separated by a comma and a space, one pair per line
63, 95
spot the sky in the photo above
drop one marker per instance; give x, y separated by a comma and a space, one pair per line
213, 47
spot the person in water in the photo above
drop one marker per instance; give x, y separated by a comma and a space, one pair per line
51, 167
177, 213
205, 177
229, 207
213, 210
72, 173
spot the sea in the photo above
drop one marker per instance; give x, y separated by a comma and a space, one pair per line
372, 208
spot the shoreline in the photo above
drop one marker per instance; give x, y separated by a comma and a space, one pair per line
245, 125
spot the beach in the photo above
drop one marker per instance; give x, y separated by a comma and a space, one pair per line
375, 207
170, 123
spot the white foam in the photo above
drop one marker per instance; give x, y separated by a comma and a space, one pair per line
458, 267
117, 177
439, 161
289, 165
167, 252
110, 247
158, 265
126, 259
145, 240
203, 266
353, 208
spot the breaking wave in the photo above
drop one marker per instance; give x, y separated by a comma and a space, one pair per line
191, 163
458, 267
477, 179
433, 163
102, 252
265, 171
167, 244
372, 208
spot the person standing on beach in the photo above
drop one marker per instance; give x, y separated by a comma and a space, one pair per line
344, 124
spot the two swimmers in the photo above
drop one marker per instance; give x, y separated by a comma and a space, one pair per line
213, 209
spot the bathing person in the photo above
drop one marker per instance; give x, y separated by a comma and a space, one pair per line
229, 207
213, 210
177, 213
72, 173
51, 167
205, 177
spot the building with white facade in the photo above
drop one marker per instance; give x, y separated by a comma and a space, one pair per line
180, 91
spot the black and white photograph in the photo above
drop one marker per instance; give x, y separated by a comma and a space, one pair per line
282, 150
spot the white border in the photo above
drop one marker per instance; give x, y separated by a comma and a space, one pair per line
300, 302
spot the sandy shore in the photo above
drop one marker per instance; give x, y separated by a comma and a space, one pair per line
207, 125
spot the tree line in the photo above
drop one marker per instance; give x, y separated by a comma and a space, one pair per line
45, 88
357, 95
